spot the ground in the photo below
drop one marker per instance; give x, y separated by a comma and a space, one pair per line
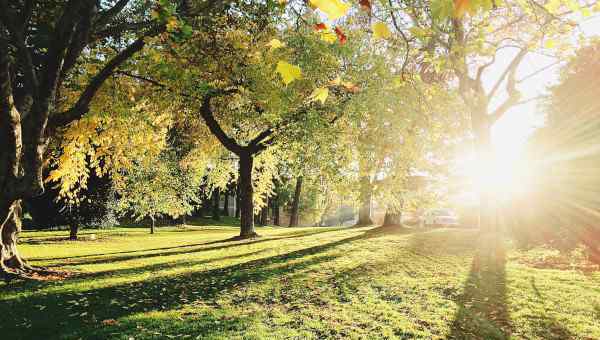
297, 283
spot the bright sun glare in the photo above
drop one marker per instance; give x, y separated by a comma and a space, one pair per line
507, 173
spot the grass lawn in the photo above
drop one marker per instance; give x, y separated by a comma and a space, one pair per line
302, 283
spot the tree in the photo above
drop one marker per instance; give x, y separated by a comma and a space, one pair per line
156, 189
247, 106
474, 38
466, 39
41, 44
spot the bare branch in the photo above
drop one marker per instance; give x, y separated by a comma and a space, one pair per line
509, 71
535, 73
482, 68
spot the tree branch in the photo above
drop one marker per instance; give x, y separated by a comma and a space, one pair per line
535, 73
117, 30
82, 105
215, 128
509, 72
17, 34
256, 141
107, 15
80, 39
511, 87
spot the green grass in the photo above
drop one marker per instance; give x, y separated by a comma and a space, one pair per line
302, 283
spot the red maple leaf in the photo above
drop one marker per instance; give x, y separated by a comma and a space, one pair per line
341, 36
365, 5
320, 26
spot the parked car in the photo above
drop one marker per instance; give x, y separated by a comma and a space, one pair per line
439, 218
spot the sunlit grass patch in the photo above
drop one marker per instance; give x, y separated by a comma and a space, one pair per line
295, 283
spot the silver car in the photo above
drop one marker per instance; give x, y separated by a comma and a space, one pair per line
439, 218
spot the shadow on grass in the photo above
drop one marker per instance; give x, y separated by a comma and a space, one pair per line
483, 311
72, 315
382, 231
134, 254
161, 266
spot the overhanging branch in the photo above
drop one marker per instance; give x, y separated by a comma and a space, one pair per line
82, 105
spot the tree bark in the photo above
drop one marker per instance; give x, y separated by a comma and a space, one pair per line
246, 196
152, 225
275, 212
226, 202
257, 219
216, 198
366, 195
237, 200
73, 229
392, 218
296, 203
11, 263
264, 214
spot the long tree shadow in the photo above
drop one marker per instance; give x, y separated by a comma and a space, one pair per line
153, 268
198, 247
483, 310
76, 314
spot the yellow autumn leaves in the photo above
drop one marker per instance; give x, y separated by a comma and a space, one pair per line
288, 72
334, 9
381, 31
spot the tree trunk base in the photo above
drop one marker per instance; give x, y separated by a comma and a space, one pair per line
12, 265
26, 272
400, 225
363, 223
246, 236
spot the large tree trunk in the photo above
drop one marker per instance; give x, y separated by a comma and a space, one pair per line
296, 203
366, 195
152, 225
246, 196
11, 263
216, 198
392, 218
